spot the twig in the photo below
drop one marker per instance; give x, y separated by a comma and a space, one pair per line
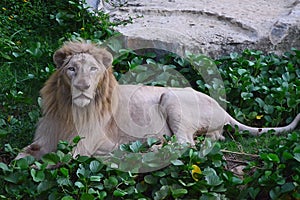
236, 161
238, 153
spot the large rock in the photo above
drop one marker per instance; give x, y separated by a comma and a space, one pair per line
214, 28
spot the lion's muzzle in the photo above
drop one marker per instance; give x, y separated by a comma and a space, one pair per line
82, 85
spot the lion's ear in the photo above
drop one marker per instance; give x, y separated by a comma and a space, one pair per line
105, 57
59, 57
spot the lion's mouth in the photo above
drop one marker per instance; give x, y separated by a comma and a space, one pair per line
82, 100
82, 96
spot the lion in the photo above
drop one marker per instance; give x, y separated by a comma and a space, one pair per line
83, 98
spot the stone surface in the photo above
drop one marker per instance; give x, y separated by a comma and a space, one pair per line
214, 28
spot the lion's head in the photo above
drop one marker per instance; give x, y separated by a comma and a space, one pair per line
83, 77
83, 66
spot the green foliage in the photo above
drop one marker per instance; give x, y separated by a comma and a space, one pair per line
198, 172
262, 89
276, 175
88, 178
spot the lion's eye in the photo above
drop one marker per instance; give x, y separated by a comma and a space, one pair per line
94, 69
72, 69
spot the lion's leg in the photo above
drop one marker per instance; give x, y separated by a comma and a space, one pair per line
173, 110
189, 112
45, 140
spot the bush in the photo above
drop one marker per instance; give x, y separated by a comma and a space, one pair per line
198, 173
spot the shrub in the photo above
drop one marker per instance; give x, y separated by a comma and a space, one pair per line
199, 172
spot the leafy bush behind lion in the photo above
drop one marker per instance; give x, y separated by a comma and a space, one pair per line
82, 97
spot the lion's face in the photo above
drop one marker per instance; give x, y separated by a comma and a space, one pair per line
84, 73
82, 65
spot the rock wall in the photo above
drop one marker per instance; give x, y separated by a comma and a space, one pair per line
214, 28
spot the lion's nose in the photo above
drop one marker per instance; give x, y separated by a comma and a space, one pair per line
82, 85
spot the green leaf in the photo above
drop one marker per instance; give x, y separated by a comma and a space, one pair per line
150, 157
186, 184
297, 156
64, 171
269, 109
217, 162
297, 149
177, 162
22, 163
163, 77
4, 167
260, 102
162, 193
14, 177
44, 186
286, 76
3, 133
159, 173
136, 146
51, 158
86, 196
141, 187
119, 193
287, 187
102, 195
291, 102
76, 139
287, 155
96, 178
206, 149
236, 180
250, 63
163, 181
37, 176
152, 141
79, 184
111, 182
62, 181
95, 166
246, 95
211, 177
275, 193
82, 171
150, 61
273, 157
66, 158
151, 179
253, 192
179, 192
82, 159
241, 71
143, 76
5, 56
67, 198
234, 55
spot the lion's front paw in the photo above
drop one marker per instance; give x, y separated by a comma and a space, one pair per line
31, 150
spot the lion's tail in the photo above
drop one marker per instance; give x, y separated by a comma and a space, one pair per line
258, 131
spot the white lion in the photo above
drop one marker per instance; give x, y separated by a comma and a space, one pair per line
83, 98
